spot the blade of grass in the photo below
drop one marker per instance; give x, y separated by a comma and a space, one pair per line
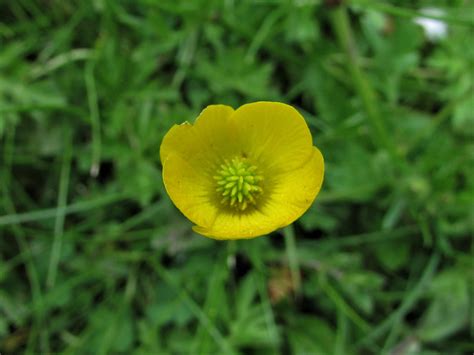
343, 307
407, 304
32, 274
60, 211
59, 61
14, 108
185, 56
262, 33
364, 238
292, 255
112, 332
194, 308
94, 117
18, 218
261, 283
272, 329
341, 335
201, 341
342, 28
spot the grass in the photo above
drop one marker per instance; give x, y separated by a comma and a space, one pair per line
94, 258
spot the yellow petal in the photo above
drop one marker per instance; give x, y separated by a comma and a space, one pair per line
177, 134
189, 189
201, 143
274, 134
292, 194
234, 225
295, 191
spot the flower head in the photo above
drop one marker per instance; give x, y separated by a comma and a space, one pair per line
243, 173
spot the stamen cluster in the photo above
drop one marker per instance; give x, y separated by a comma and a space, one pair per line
238, 183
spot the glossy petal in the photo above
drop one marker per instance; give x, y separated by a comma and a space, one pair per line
275, 134
205, 141
189, 189
292, 194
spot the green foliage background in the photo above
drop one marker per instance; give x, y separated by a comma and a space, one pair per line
94, 258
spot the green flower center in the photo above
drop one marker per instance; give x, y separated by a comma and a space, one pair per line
238, 183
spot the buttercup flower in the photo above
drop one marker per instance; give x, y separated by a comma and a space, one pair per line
243, 173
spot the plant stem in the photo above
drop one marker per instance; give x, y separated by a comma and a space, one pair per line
292, 256
342, 28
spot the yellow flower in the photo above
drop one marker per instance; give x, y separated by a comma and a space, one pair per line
243, 173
